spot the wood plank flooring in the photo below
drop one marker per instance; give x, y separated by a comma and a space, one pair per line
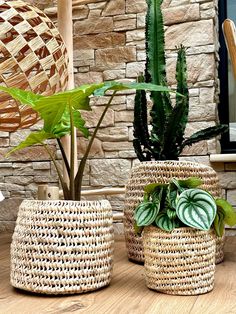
127, 293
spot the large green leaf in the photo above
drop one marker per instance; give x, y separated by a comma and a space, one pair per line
118, 86
190, 183
63, 127
164, 222
228, 211
146, 213
219, 224
23, 96
34, 138
52, 108
150, 188
196, 208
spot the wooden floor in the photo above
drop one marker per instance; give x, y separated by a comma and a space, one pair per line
127, 292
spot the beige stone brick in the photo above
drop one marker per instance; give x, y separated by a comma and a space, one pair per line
200, 68
190, 34
117, 146
181, 14
96, 149
227, 180
88, 78
94, 26
136, 6
98, 41
123, 25
113, 134
124, 116
92, 117
114, 7
115, 55
135, 35
80, 12
109, 172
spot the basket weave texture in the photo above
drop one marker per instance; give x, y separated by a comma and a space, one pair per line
181, 262
33, 57
161, 171
62, 247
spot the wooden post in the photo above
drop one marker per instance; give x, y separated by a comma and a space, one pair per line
230, 39
65, 27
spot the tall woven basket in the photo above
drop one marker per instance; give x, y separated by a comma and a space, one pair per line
181, 262
163, 172
62, 247
33, 57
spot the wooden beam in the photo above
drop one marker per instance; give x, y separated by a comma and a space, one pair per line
65, 26
230, 39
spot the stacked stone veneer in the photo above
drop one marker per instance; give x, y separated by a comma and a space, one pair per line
109, 44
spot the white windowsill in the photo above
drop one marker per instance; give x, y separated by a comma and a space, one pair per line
223, 158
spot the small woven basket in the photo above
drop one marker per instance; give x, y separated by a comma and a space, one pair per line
163, 172
62, 247
181, 262
33, 57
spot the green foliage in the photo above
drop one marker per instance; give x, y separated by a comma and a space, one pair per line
182, 203
61, 115
166, 139
196, 208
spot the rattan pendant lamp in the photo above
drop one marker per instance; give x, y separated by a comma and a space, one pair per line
32, 56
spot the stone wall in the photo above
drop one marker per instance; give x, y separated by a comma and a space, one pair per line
109, 44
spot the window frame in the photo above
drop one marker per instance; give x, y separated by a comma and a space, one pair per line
227, 146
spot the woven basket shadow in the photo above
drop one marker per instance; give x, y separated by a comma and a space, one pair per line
33, 57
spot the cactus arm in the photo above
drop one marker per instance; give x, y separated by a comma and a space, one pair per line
141, 154
205, 134
178, 118
140, 123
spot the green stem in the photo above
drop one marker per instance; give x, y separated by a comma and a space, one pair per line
63, 184
72, 155
64, 156
79, 175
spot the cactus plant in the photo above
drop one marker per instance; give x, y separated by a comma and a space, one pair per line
165, 140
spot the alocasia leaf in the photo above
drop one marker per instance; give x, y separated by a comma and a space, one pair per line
23, 96
32, 139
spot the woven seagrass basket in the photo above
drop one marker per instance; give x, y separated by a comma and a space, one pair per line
163, 172
181, 262
33, 57
62, 247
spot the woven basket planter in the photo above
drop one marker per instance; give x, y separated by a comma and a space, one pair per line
162, 171
181, 262
62, 247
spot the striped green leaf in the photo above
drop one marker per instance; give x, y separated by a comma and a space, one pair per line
196, 208
146, 213
165, 223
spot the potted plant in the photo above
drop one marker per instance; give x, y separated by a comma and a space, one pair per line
159, 146
64, 246
180, 221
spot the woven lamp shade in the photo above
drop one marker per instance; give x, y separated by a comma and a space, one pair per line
32, 57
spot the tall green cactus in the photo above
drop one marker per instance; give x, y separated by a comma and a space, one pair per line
165, 140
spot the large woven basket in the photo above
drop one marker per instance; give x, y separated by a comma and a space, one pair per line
33, 57
162, 171
62, 247
181, 262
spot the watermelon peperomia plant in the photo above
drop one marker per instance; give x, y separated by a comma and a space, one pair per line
61, 114
182, 203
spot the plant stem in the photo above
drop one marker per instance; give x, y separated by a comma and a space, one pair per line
79, 175
72, 154
64, 156
63, 184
